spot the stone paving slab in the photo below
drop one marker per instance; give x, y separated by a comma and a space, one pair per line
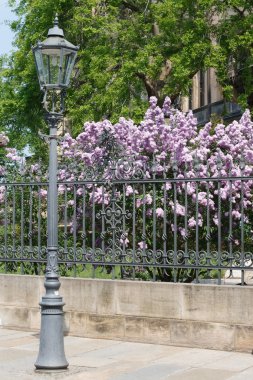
99, 359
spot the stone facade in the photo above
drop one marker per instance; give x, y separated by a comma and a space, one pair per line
205, 90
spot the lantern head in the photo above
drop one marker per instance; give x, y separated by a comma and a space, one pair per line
55, 58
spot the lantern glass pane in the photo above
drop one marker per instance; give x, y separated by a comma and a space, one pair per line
40, 66
68, 63
51, 63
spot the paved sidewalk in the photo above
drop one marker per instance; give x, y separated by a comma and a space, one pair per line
98, 359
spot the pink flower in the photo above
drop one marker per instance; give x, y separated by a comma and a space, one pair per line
43, 193
191, 222
99, 196
34, 168
3, 139
61, 189
142, 245
124, 241
215, 220
148, 199
182, 231
236, 214
180, 210
159, 212
2, 194
138, 202
129, 190
149, 212
13, 154
79, 191
168, 186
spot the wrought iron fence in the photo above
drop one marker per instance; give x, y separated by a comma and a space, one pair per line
155, 222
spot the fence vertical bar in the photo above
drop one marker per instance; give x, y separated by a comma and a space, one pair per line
197, 231
39, 227
219, 167
186, 218
242, 167
6, 225
103, 227
230, 236
123, 236
22, 227
197, 216
154, 168
165, 237
93, 221
65, 233
74, 224
144, 237
134, 231
14, 219
208, 230
30, 233
84, 219
175, 169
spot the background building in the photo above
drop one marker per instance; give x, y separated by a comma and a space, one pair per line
206, 99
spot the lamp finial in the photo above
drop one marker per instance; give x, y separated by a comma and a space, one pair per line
56, 20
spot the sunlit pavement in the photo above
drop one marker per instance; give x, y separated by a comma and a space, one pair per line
99, 359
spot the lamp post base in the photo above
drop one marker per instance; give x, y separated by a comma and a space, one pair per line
51, 352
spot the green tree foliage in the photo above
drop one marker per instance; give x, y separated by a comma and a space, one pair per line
233, 51
129, 51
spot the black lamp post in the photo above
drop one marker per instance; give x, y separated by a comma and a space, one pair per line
55, 58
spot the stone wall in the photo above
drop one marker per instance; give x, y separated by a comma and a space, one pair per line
210, 316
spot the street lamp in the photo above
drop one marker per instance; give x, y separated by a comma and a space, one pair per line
55, 58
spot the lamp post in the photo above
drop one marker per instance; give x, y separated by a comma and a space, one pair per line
55, 58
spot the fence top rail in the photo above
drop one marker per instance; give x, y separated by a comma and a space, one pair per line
133, 181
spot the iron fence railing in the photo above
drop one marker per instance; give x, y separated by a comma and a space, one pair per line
182, 228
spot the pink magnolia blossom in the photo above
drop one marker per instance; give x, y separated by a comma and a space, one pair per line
43, 193
142, 245
159, 212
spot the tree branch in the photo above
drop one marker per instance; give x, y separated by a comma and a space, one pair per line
238, 10
150, 88
130, 6
166, 69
